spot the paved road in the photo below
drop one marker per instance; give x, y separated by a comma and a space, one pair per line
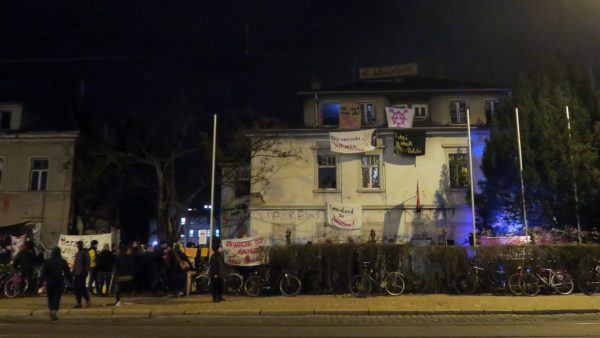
587, 325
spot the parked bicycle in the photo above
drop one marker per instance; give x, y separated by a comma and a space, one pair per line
589, 281
232, 283
12, 285
514, 280
289, 284
478, 277
534, 279
361, 285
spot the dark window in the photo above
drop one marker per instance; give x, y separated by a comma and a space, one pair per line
1, 170
331, 113
327, 171
39, 174
459, 171
5, 120
458, 112
368, 113
242, 182
491, 106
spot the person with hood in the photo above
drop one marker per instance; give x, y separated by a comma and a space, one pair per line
81, 268
54, 272
125, 270
93, 275
104, 268
215, 271
25, 263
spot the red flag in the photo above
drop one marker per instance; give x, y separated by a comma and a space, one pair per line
418, 198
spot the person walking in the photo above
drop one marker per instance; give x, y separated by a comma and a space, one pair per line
125, 270
54, 272
104, 268
25, 263
215, 270
93, 276
81, 268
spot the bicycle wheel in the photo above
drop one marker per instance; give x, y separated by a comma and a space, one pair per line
562, 283
529, 284
253, 286
465, 284
290, 285
394, 283
234, 283
201, 284
513, 284
360, 286
589, 283
12, 288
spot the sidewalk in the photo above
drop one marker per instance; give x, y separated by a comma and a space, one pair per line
309, 305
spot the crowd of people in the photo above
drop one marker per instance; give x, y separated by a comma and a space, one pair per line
160, 270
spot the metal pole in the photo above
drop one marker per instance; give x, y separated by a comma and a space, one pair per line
521, 173
471, 178
574, 177
212, 186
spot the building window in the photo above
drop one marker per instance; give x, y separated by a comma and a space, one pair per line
459, 171
491, 106
5, 120
331, 114
327, 171
242, 182
458, 111
39, 174
421, 109
370, 168
191, 233
367, 110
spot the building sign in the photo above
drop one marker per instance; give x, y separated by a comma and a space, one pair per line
350, 116
351, 142
399, 117
346, 216
248, 251
389, 71
68, 244
410, 143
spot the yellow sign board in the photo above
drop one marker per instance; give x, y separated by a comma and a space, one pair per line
389, 71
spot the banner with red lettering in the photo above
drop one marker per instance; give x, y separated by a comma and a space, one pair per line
249, 251
344, 216
351, 142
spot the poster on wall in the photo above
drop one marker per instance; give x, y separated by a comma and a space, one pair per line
350, 116
249, 251
411, 143
344, 216
351, 142
68, 244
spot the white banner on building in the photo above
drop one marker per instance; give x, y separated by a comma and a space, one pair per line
68, 244
346, 216
249, 251
351, 142
399, 117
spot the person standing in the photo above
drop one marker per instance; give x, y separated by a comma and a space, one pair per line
25, 262
93, 280
215, 270
125, 270
81, 268
54, 272
180, 266
104, 267
159, 268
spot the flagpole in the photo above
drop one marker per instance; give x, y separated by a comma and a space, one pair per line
471, 177
521, 174
574, 176
212, 185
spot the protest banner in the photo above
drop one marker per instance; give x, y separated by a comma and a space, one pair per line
351, 142
350, 116
399, 117
249, 251
410, 143
344, 216
68, 244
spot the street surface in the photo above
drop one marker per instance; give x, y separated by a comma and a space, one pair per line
571, 325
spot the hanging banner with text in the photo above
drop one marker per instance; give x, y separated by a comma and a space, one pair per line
68, 244
388, 71
399, 117
249, 251
411, 143
350, 117
351, 142
345, 216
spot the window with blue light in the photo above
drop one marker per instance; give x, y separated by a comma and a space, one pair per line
331, 113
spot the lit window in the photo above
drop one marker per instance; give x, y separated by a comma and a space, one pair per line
367, 110
217, 233
458, 112
39, 174
491, 107
370, 171
327, 171
459, 171
182, 220
331, 114
191, 233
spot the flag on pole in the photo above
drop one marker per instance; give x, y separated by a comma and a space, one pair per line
418, 198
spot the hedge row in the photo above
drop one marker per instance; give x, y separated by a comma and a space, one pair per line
328, 267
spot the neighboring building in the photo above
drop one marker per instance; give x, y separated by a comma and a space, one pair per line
295, 191
235, 200
191, 225
36, 169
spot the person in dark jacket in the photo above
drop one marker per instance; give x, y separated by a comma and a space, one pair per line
54, 272
25, 262
125, 270
215, 270
93, 274
180, 265
81, 267
159, 268
104, 267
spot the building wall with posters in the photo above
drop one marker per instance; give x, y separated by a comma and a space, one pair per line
296, 190
36, 169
